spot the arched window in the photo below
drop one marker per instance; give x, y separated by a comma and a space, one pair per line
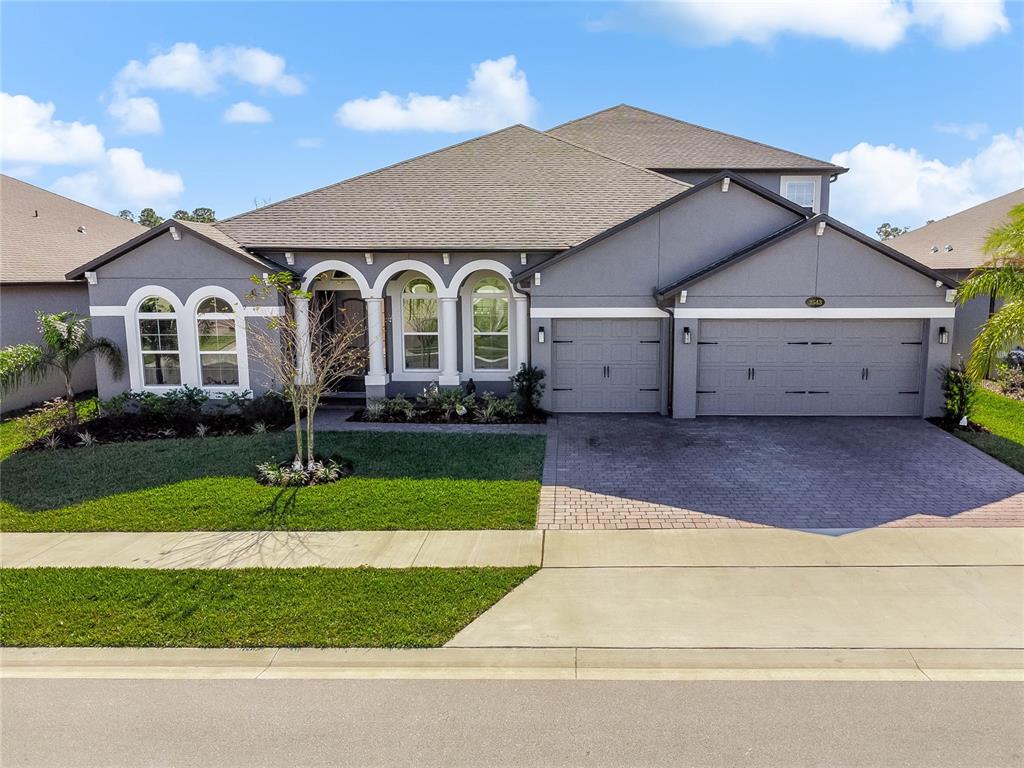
490, 324
218, 343
158, 339
419, 325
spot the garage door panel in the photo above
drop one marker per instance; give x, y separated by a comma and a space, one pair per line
810, 367
615, 365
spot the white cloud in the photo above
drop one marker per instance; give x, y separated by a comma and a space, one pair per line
309, 143
31, 135
970, 131
497, 95
187, 68
873, 24
888, 183
246, 112
122, 179
139, 114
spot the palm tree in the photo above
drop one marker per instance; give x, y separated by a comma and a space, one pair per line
1002, 278
66, 342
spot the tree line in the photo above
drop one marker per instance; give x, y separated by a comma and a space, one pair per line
149, 218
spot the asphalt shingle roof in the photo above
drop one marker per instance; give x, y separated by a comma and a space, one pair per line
514, 188
650, 140
965, 232
39, 233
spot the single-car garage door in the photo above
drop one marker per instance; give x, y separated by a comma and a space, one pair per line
810, 367
606, 365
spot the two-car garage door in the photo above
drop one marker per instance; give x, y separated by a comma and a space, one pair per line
810, 367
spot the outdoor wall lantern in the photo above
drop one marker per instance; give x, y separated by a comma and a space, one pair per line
540, 335
943, 335
686, 335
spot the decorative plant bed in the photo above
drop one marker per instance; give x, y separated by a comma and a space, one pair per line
286, 474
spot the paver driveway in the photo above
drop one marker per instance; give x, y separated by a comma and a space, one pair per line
651, 472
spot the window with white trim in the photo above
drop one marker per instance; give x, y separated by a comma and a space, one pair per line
218, 343
420, 339
490, 304
802, 190
158, 342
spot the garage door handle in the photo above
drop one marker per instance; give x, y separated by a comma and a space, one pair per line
561, 389
753, 374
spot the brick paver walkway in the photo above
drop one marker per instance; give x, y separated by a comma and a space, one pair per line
651, 472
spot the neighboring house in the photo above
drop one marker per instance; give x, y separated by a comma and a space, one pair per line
953, 246
647, 265
42, 236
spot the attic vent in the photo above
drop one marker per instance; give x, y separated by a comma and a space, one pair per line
35, 214
949, 249
935, 249
81, 230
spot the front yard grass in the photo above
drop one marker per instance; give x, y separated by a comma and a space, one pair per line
401, 481
1003, 417
315, 607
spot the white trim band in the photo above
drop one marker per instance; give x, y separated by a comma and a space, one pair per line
548, 313
808, 313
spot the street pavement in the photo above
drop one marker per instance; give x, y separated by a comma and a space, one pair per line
292, 723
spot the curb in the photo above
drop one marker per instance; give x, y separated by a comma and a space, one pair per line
769, 664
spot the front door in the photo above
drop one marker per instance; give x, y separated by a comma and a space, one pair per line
344, 308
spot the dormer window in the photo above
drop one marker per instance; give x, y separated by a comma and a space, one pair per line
805, 191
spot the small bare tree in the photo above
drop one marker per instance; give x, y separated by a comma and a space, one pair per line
305, 352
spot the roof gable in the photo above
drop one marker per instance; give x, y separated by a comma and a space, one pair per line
205, 232
516, 188
650, 140
43, 235
787, 232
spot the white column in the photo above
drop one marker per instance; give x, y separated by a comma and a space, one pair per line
377, 375
522, 331
449, 343
305, 349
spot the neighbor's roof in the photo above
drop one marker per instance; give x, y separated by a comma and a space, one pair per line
650, 140
965, 232
40, 237
514, 188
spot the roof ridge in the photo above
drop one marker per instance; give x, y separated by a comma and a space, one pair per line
733, 136
613, 159
69, 199
704, 128
592, 114
375, 171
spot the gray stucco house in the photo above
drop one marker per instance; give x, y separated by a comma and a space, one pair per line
42, 236
954, 247
647, 264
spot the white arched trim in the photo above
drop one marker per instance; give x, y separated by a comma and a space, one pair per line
395, 291
466, 289
407, 264
186, 340
341, 266
241, 341
488, 265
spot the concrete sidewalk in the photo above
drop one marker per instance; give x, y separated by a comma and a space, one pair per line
552, 549
514, 664
273, 549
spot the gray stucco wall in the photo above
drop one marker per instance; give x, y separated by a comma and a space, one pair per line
772, 181
18, 325
625, 269
970, 316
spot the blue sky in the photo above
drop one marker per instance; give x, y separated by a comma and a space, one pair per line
925, 108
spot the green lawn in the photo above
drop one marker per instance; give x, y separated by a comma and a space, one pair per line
16, 432
1003, 417
357, 607
401, 481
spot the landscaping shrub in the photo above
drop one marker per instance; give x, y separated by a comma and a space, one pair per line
445, 404
527, 387
133, 416
289, 474
959, 389
497, 410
